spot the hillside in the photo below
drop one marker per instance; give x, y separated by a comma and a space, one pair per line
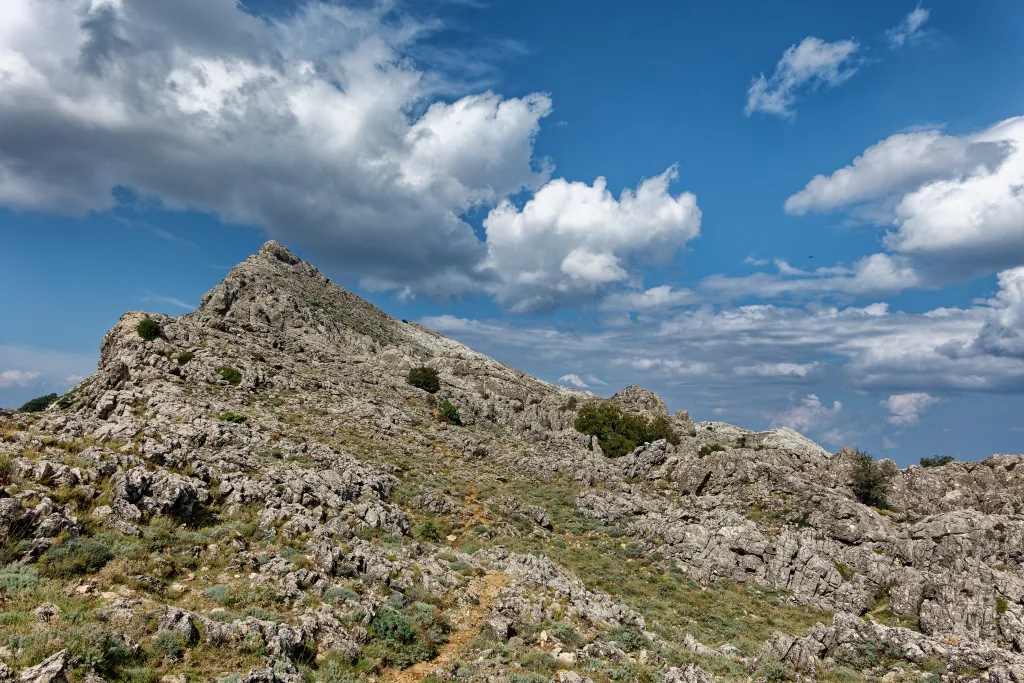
258, 494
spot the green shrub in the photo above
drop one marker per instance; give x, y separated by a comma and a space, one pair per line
228, 416
148, 329
170, 644
1002, 606
429, 531
566, 633
38, 405
570, 403
219, 593
16, 577
871, 481
6, 469
425, 378
74, 557
447, 412
937, 461
619, 432
339, 593
772, 671
629, 639
709, 448
230, 375
184, 357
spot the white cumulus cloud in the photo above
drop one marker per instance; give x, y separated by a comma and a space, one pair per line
19, 378
954, 205
906, 409
812, 64
337, 128
811, 415
571, 239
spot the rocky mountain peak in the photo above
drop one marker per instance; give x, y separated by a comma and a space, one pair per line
256, 492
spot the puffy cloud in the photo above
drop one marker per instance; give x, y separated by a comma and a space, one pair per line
955, 204
73, 379
897, 164
574, 380
327, 129
811, 415
907, 408
909, 29
571, 239
19, 378
810, 65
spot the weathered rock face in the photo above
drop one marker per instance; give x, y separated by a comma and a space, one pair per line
269, 444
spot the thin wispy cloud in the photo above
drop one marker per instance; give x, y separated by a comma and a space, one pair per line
908, 30
811, 65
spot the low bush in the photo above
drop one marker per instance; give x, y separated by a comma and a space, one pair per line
339, 593
228, 416
16, 577
937, 461
74, 557
6, 469
629, 639
184, 357
148, 329
219, 593
447, 412
170, 644
1002, 606
39, 404
871, 480
619, 432
425, 378
230, 375
566, 633
709, 448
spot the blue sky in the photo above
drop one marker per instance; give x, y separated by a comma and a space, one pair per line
823, 225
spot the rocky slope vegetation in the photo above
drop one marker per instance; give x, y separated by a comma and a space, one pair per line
254, 492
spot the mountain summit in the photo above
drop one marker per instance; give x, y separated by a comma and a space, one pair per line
288, 484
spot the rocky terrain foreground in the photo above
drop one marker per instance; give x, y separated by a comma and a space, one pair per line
257, 494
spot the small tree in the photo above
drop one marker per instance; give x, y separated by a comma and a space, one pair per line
39, 404
871, 480
620, 432
447, 412
425, 378
148, 329
937, 461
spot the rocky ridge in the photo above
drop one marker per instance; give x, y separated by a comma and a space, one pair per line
258, 494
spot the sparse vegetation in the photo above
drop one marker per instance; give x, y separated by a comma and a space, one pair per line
228, 416
148, 329
937, 461
16, 577
871, 480
1002, 605
230, 375
425, 378
619, 432
6, 469
709, 448
184, 357
74, 557
448, 412
39, 404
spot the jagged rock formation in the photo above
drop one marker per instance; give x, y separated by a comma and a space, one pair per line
259, 493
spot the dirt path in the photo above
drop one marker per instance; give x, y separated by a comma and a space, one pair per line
486, 587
